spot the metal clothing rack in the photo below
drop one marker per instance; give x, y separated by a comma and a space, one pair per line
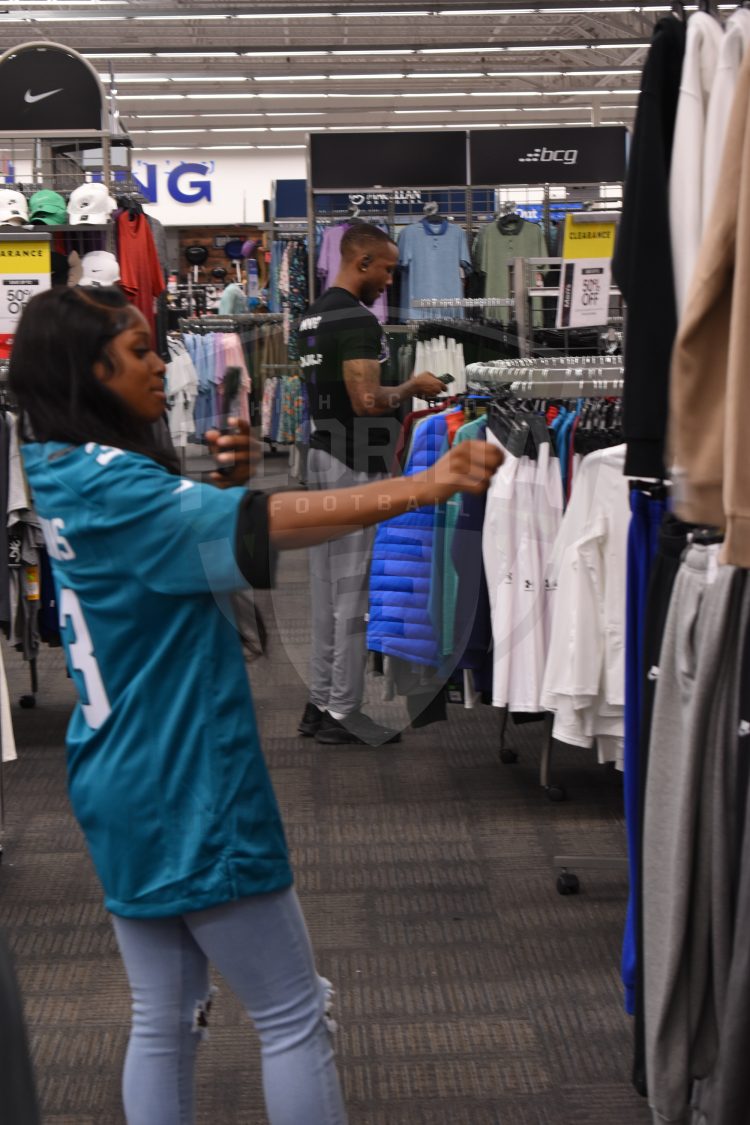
559, 377
461, 302
556, 377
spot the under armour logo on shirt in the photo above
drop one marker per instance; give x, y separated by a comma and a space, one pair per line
653, 673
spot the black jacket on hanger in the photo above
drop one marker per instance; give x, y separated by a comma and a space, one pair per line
642, 263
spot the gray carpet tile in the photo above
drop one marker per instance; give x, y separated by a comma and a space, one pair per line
468, 991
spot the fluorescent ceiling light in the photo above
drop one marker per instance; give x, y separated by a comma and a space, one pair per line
159, 148
618, 46
152, 97
378, 51
281, 54
597, 73
478, 50
289, 77
166, 132
448, 74
597, 11
306, 96
196, 55
408, 128
529, 124
224, 148
390, 14
186, 17
242, 129
62, 19
283, 15
509, 94
295, 113
119, 55
442, 110
351, 128
361, 77
218, 97
291, 128
134, 78
554, 47
280, 146
208, 78
526, 73
191, 116
488, 12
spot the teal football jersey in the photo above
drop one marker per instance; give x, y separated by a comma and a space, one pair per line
166, 775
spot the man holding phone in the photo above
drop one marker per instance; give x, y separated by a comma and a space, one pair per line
354, 431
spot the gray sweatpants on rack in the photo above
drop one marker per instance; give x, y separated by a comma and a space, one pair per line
675, 982
339, 589
723, 1097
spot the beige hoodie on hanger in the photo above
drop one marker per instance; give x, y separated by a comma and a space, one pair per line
709, 422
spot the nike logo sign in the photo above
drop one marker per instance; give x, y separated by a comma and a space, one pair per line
30, 98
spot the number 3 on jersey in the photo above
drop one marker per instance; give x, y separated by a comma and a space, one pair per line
82, 658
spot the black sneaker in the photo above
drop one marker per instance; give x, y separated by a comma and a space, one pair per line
310, 721
354, 728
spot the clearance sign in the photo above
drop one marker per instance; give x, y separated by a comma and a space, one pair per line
586, 273
25, 270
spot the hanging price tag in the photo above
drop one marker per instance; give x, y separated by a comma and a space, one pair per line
25, 270
584, 293
586, 274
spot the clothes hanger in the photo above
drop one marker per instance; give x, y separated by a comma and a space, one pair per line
678, 10
431, 211
709, 7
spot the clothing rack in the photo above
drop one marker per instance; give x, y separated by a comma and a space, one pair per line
461, 302
557, 377
227, 323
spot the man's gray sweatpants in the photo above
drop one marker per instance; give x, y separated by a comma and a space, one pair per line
339, 588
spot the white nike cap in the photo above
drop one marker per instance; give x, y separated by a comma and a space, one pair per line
90, 203
13, 207
99, 268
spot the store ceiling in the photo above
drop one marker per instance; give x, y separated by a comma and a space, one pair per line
212, 76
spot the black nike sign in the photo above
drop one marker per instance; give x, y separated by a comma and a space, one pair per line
48, 87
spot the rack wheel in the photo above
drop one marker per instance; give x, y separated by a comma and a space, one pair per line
556, 793
508, 757
568, 884
27, 702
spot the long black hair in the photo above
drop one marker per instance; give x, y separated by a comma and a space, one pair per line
62, 334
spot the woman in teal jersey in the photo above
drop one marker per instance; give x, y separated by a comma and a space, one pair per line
166, 775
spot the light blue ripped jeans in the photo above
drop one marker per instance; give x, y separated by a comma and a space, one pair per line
261, 947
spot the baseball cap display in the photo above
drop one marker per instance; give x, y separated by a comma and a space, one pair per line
99, 268
13, 207
233, 249
196, 254
48, 207
89, 204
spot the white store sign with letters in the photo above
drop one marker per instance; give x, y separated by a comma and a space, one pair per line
204, 189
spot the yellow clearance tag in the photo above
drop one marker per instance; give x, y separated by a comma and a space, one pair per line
588, 240
22, 259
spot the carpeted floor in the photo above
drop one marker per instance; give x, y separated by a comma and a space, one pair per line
469, 991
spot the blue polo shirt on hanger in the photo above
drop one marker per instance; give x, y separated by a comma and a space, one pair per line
432, 255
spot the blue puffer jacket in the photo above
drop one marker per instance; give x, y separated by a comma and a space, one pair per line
400, 623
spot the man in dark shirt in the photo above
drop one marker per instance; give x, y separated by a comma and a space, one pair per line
354, 431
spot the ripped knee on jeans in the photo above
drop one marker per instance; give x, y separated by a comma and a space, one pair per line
201, 1012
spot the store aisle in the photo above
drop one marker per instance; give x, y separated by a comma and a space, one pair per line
469, 991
